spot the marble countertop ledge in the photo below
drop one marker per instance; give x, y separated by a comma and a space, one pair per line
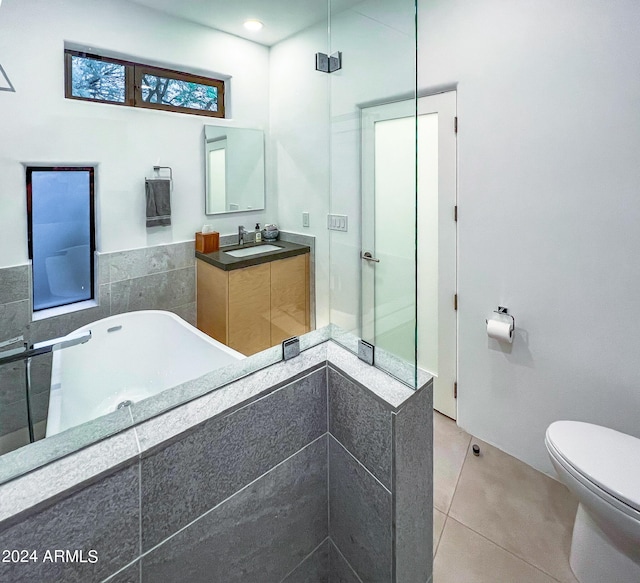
63, 477
158, 431
391, 391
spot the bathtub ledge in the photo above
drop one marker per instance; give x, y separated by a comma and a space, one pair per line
157, 432
61, 478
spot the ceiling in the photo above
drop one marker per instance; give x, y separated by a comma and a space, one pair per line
281, 18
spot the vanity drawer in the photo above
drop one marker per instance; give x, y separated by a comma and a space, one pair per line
254, 308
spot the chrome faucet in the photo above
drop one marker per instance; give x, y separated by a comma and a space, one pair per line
241, 233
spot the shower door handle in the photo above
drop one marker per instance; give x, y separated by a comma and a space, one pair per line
368, 257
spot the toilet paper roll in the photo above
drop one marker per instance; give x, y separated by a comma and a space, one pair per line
500, 329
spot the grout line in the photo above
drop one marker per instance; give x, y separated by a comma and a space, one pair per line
394, 533
253, 399
303, 560
120, 570
335, 546
500, 547
243, 403
151, 274
270, 470
446, 517
328, 456
135, 432
139, 494
360, 463
455, 488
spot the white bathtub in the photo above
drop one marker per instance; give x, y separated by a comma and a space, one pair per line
129, 357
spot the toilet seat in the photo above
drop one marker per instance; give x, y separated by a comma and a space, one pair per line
602, 459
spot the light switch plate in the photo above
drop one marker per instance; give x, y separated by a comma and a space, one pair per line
305, 219
338, 223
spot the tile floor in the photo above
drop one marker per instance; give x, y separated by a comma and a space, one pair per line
496, 520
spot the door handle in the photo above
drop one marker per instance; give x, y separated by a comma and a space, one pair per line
367, 256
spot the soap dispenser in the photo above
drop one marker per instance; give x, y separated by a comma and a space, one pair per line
258, 233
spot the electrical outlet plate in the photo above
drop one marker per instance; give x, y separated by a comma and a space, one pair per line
305, 219
338, 223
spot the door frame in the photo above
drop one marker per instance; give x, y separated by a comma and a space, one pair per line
444, 104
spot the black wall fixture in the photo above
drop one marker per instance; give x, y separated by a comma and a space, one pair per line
5, 82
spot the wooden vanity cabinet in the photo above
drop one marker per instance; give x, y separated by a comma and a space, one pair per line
289, 298
249, 309
254, 308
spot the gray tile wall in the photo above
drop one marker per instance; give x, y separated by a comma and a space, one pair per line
362, 424
103, 517
314, 569
243, 497
380, 485
153, 278
360, 516
413, 487
130, 574
265, 492
259, 534
339, 570
223, 455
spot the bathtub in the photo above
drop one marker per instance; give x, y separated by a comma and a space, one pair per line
130, 357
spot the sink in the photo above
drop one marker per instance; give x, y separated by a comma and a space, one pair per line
248, 251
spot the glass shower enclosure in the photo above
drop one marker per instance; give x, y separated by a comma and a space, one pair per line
373, 194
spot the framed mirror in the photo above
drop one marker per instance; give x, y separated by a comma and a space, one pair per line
234, 167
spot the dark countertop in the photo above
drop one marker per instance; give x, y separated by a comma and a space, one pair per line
222, 260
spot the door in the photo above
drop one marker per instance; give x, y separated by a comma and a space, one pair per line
388, 236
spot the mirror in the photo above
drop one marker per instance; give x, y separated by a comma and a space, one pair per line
234, 166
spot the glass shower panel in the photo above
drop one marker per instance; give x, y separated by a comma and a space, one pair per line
13, 407
373, 180
23, 406
393, 325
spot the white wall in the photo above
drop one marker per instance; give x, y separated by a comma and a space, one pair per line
38, 124
548, 96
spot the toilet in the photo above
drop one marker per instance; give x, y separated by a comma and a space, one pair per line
602, 468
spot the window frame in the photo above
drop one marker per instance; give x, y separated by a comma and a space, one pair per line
133, 84
92, 226
141, 70
129, 97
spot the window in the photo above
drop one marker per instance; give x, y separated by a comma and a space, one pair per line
96, 79
103, 79
60, 207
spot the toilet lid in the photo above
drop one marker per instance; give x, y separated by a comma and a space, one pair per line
606, 457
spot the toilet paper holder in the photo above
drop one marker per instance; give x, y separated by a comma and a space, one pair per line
504, 312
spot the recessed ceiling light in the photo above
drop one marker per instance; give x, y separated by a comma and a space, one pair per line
253, 25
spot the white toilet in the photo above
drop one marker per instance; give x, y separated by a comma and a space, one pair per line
602, 468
